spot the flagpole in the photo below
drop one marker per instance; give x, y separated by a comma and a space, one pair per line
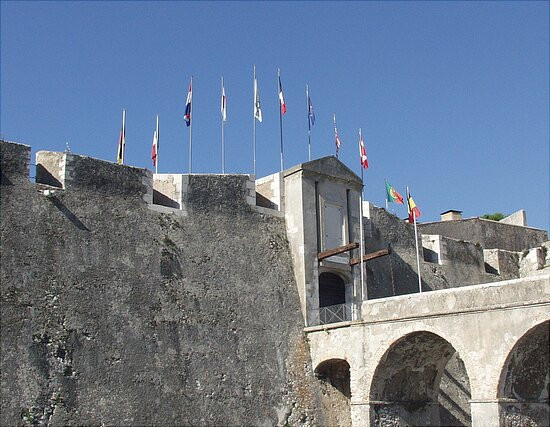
280, 116
223, 123
417, 255
386, 186
361, 243
157, 147
123, 135
308, 125
335, 133
416, 242
254, 120
191, 129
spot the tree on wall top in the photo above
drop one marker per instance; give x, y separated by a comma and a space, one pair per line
497, 216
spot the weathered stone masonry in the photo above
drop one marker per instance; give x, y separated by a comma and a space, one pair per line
112, 313
134, 299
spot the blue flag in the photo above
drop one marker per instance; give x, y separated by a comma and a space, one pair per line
310, 112
187, 115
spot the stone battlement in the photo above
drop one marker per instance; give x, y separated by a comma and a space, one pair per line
172, 193
71, 171
489, 234
199, 192
15, 161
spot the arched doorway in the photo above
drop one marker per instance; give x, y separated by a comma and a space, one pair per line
420, 381
332, 299
334, 375
525, 380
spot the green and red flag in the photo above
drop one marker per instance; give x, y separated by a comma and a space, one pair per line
393, 195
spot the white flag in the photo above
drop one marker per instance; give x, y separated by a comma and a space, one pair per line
257, 107
223, 104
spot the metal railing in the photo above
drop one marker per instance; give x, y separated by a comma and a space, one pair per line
335, 313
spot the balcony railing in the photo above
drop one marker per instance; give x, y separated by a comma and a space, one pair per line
335, 313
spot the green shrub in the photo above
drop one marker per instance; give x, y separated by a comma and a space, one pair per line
497, 216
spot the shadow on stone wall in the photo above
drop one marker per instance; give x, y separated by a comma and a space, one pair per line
68, 214
391, 275
4, 180
43, 176
163, 200
454, 394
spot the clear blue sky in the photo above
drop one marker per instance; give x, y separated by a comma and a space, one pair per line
453, 97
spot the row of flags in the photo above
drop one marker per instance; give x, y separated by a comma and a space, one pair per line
393, 196
257, 116
258, 108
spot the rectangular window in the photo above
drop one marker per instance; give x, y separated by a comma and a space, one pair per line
333, 226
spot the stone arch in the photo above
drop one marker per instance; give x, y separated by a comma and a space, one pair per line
407, 384
337, 373
334, 377
524, 384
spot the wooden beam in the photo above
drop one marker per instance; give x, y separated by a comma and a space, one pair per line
336, 251
370, 256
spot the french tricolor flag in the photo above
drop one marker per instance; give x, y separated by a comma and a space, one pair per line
187, 115
282, 98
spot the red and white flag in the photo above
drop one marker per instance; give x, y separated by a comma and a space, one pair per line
223, 104
155, 149
336, 137
281, 98
363, 152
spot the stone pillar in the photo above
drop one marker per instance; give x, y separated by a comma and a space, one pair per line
361, 414
485, 413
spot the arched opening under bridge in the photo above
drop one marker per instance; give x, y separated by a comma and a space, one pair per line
525, 380
420, 381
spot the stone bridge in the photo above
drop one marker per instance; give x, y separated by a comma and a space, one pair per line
473, 355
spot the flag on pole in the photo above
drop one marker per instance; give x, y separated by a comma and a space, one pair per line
223, 104
310, 112
155, 149
187, 115
414, 212
393, 195
257, 107
363, 152
122, 140
337, 139
282, 98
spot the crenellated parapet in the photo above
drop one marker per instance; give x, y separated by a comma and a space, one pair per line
170, 193
71, 171
15, 160
199, 192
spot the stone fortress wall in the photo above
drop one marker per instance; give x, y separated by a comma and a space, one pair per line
115, 313
453, 253
133, 298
